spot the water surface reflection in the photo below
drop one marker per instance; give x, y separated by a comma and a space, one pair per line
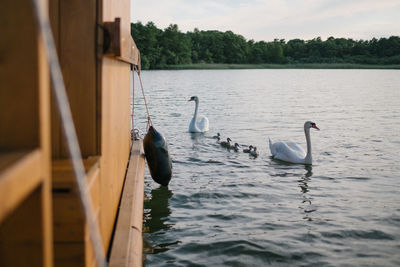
306, 204
230, 209
157, 221
158, 211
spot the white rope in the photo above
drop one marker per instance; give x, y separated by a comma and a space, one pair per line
69, 129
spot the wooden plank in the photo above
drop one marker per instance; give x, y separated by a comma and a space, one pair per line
45, 145
94, 188
56, 131
19, 180
115, 139
18, 77
77, 55
64, 177
76, 248
129, 51
90, 258
69, 254
9, 158
121, 44
72, 243
47, 223
127, 244
99, 58
69, 221
115, 126
21, 234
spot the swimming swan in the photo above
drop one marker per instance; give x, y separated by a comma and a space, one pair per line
235, 147
197, 124
218, 136
248, 150
290, 151
226, 144
254, 152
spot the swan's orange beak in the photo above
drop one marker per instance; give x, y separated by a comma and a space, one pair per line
190, 100
315, 127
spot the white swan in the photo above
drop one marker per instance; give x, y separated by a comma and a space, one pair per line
197, 124
290, 151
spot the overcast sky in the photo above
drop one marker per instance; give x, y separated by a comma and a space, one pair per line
270, 19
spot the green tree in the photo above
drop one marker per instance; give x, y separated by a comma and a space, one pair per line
235, 48
176, 46
170, 46
147, 40
275, 52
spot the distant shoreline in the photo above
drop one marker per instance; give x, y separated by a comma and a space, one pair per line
278, 66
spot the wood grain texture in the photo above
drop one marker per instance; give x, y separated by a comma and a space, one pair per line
75, 25
19, 74
122, 46
115, 138
21, 234
8, 158
69, 254
19, 179
115, 128
127, 244
45, 145
72, 243
99, 97
69, 220
56, 131
25, 193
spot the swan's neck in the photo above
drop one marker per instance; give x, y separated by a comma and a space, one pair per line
308, 158
195, 110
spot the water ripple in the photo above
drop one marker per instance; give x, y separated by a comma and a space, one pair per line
357, 234
224, 208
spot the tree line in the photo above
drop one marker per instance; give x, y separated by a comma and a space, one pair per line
170, 46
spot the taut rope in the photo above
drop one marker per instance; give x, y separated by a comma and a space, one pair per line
149, 122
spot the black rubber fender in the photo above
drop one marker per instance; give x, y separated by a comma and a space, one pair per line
157, 156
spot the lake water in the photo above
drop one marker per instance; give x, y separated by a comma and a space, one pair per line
227, 209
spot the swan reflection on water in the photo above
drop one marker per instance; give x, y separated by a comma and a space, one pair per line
156, 219
303, 181
198, 141
196, 136
303, 184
